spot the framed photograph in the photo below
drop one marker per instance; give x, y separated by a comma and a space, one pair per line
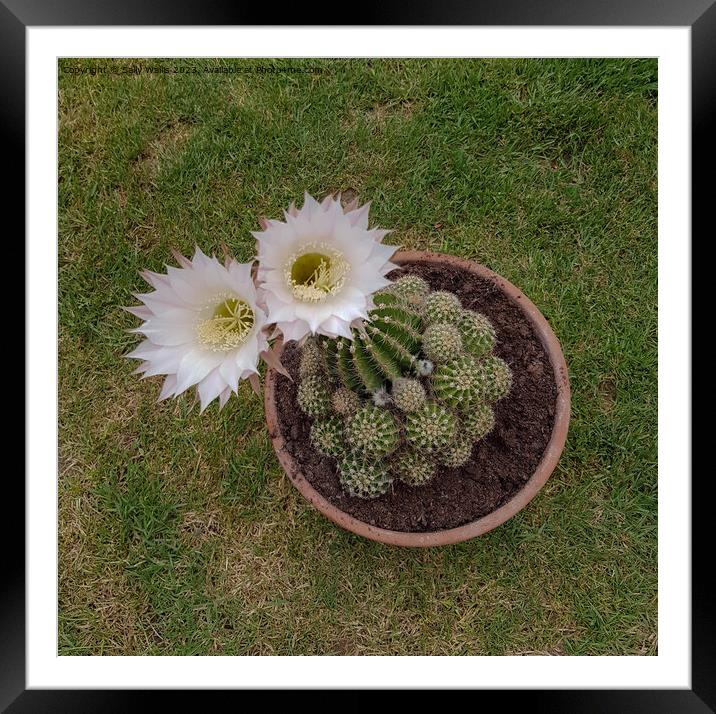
408, 317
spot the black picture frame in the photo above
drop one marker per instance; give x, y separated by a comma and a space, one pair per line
699, 15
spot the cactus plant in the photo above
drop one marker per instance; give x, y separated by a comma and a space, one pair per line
477, 332
436, 358
408, 394
460, 383
363, 477
499, 377
313, 397
311, 362
442, 342
372, 431
457, 453
466, 381
384, 349
411, 289
327, 436
478, 421
430, 428
413, 468
345, 402
442, 306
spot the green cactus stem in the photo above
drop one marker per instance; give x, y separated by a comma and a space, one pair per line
442, 306
313, 396
413, 468
327, 436
363, 477
431, 428
442, 342
478, 421
477, 332
372, 431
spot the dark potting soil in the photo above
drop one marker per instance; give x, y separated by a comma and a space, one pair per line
500, 464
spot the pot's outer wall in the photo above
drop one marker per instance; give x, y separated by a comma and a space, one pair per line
518, 501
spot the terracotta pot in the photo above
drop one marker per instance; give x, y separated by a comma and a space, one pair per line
518, 501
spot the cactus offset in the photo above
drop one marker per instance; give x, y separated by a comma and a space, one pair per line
345, 402
460, 383
442, 342
408, 394
477, 332
465, 382
430, 428
311, 362
413, 468
313, 397
499, 377
442, 306
478, 421
457, 453
372, 431
327, 436
411, 289
362, 477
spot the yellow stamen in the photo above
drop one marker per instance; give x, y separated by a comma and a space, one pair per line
228, 327
313, 275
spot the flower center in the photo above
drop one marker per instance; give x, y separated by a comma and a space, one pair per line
228, 326
317, 273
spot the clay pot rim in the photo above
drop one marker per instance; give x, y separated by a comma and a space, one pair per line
481, 525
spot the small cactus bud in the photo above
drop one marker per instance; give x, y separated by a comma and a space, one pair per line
424, 367
380, 397
430, 428
411, 289
373, 432
478, 422
442, 342
408, 394
442, 306
460, 383
313, 397
499, 377
413, 469
465, 382
362, 477
477, 332
457, 453
311, 362
345, 402
327, 436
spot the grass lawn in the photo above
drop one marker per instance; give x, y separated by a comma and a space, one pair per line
179, 534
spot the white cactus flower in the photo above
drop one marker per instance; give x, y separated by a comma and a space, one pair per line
203, 327
320, 267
